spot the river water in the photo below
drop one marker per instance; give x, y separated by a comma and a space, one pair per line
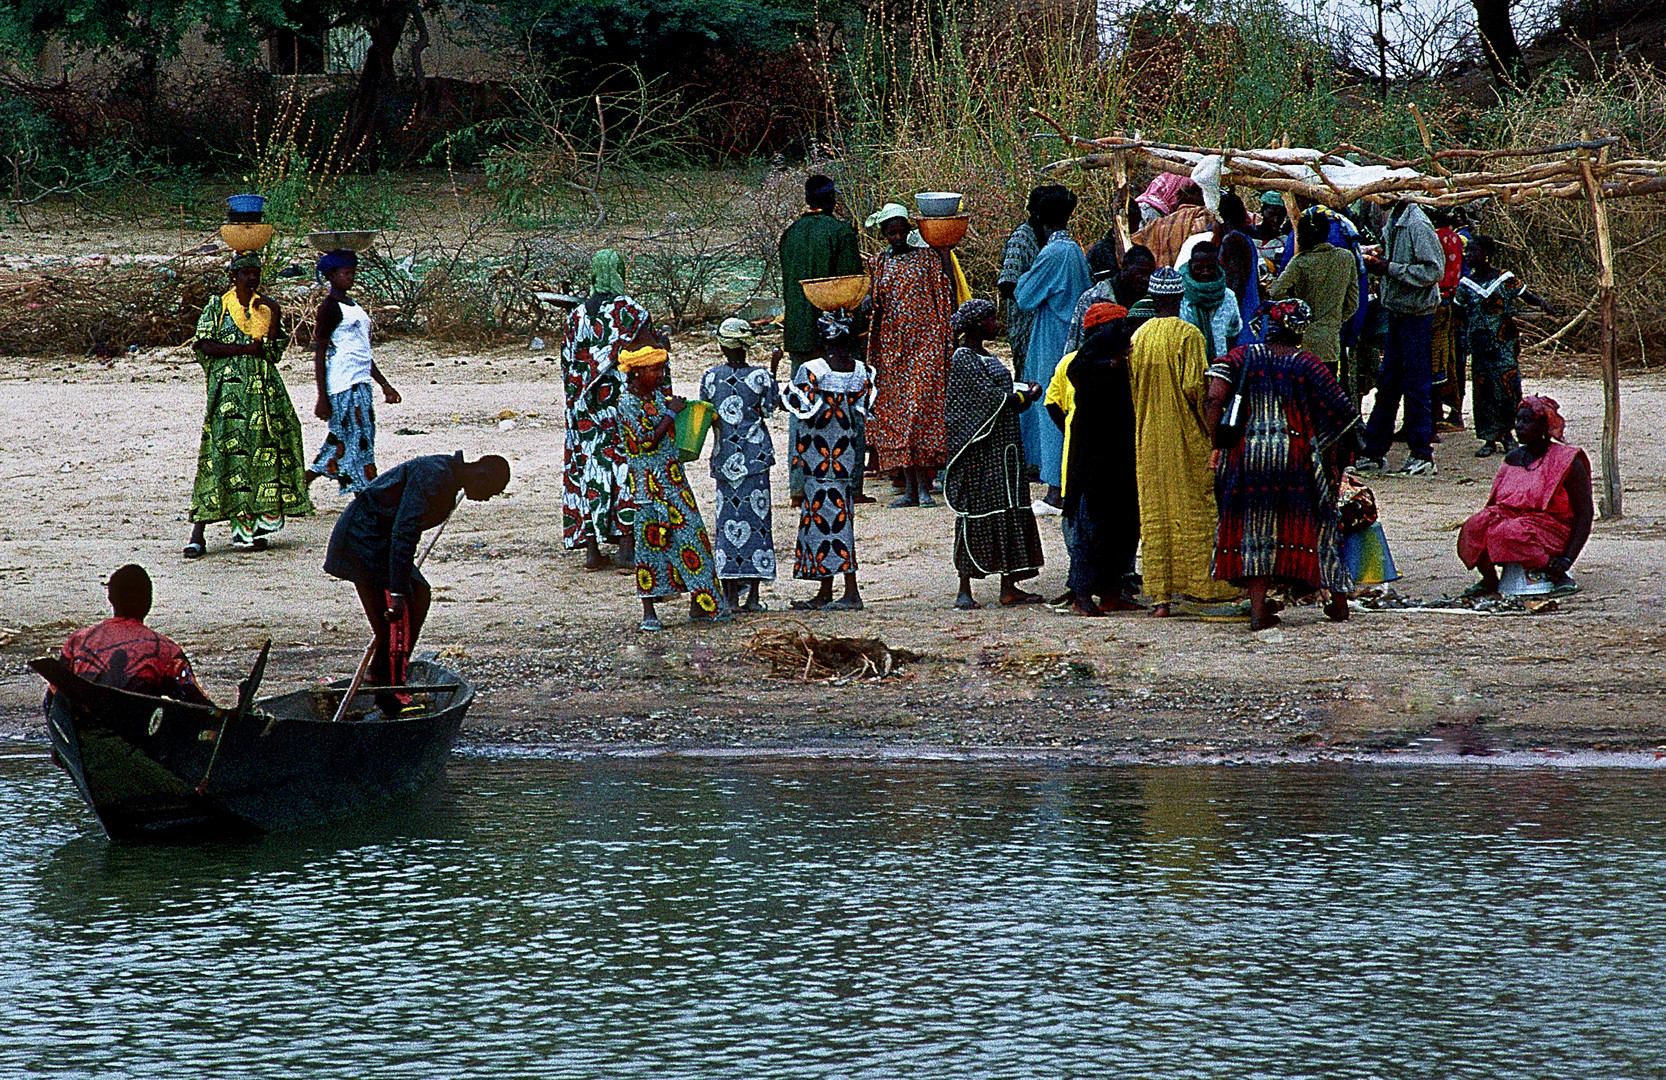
599, 918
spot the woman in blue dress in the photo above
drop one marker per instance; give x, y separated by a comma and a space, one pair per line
743, 397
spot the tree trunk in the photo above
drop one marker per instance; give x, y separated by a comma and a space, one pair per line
1498, 42
385, 20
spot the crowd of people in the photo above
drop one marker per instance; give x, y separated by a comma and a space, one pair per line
1188, 401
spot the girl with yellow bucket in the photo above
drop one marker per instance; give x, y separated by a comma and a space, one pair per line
673, 552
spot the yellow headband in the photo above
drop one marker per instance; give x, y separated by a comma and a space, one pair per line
646, 357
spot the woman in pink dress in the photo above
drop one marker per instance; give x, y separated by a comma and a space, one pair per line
1540, 511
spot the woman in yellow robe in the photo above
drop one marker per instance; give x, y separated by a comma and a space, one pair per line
1166, 376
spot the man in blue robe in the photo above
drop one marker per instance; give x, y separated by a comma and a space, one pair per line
1049, 291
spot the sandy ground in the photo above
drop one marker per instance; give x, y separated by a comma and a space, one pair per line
98, 472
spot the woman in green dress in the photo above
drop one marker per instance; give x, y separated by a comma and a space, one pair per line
251, 462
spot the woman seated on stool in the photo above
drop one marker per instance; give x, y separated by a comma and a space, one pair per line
1539, 513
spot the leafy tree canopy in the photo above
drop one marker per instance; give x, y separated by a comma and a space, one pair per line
149, 27
631, 29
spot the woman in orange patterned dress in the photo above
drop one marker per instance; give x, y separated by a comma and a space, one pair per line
913, 297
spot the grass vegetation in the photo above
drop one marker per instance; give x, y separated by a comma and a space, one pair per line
916, 95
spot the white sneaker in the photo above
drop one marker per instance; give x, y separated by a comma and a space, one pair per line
1045, 509
1416, 467
1367, 465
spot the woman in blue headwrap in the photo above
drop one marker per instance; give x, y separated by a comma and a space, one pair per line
250, 463
343, 369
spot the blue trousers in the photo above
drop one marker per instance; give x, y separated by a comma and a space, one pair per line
1405, 373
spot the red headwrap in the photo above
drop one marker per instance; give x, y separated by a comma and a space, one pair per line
1547, 408
1101, 313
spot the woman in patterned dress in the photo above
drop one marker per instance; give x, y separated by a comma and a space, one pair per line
913, 297
830, 397
984, 483
742, 453
595, 502
1278, 463
673, 552
250, 464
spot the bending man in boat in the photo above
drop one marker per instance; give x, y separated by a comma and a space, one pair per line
125, 653
374, 546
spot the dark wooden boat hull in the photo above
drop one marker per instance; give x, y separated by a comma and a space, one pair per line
155, 768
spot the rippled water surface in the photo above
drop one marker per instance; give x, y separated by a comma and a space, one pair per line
545, 918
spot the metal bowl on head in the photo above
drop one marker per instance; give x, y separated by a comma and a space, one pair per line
938, 203
246, 235
352, 239
836, 293
944, 232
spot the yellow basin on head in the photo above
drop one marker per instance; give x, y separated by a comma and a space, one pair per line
835, 293
246, 235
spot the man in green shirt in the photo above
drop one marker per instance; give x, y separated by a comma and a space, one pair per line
816, 245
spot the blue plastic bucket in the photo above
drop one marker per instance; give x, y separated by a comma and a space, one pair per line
247, 204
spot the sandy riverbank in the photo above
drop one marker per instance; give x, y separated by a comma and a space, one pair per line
99, 471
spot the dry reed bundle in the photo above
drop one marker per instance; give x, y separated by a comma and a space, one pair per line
793, 650
80, 308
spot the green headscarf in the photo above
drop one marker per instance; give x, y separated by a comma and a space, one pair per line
1205, 297
244, 258
607, 273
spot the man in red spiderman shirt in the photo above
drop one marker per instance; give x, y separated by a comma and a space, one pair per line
125, 653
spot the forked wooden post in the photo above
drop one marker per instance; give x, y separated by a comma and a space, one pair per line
1612, 489
1119, 174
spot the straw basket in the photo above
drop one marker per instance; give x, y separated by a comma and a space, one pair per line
944, 232
246, 235
836, 293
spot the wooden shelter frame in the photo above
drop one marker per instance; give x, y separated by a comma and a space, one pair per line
1583, 170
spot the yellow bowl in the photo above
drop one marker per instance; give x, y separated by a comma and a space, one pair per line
836, 293
944, 232
246, 235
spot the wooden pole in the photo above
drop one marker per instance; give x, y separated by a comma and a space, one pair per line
1612, 490
1119, 174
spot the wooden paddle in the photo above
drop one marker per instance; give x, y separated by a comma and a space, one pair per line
245, 701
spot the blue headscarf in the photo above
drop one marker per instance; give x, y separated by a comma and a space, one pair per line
335, 260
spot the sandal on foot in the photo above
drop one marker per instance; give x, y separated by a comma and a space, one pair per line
808, 605
966, 603
843, 604
1478, 590
1022, 597
1487, 450
903, 500
194, 550
1566, 587
651, 624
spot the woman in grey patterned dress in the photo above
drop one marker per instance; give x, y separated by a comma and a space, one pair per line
742, 453
984, 483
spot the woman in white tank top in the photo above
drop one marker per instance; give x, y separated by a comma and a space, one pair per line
344, 370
